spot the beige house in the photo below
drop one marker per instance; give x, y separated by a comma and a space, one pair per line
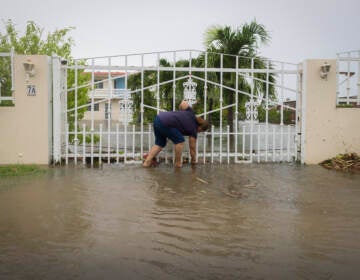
120, 107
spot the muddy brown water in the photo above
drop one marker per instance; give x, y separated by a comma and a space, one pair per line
126, 222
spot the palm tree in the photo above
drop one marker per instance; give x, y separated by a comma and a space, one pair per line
244, 42
165, 90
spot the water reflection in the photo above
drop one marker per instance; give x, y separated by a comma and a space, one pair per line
126, 222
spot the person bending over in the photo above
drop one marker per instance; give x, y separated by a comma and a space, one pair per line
175, 125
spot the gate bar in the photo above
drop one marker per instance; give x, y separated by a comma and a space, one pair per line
117, 143
221, 105
76, 112
288, 143
186, 69
274, 143
243, 142
282, 96
258, 143
133, 141
236, 109
228, 143
205, 114
84, 144
267, 112
158, 84
92, 111
281, 142
212, 144
109, 114
100, 143
174, 84
251, 110
67, 145
142, 107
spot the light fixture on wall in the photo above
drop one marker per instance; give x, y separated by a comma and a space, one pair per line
29, 67
324, 70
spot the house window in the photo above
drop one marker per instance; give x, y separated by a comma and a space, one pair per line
96, 106
119, 83
107, 111
99, 84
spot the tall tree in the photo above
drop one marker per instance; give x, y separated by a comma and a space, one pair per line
244, 42
34, 41
165, 90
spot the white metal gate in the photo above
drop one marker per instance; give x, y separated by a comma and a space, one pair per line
250, 102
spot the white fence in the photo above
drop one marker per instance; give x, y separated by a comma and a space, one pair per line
260, 143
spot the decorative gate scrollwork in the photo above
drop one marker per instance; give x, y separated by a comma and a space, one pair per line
190, 91
252, 108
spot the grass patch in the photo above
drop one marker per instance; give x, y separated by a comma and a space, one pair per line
20, 169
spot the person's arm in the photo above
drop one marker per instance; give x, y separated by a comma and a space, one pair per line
192, 146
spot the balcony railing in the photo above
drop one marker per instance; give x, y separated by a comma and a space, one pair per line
112, 93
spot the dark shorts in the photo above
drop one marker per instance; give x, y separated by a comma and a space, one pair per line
162, 132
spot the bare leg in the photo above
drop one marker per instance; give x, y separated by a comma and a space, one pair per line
152, 153
178, 152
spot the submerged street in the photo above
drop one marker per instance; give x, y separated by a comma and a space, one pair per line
256, 221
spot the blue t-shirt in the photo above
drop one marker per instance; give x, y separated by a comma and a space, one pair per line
184, 121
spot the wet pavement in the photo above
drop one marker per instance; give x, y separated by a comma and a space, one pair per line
256, 221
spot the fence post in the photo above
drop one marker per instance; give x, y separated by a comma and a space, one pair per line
56, 120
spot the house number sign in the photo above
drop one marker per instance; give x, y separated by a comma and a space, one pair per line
31, 90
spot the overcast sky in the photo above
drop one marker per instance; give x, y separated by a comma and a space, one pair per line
299, 29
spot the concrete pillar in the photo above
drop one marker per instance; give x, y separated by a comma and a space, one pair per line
26, 128
326, 129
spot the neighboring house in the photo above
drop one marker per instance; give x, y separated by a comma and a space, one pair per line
121, 104
292, 104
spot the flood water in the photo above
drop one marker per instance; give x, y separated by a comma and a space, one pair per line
260, 221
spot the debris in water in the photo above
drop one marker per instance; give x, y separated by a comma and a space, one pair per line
249, 186
344, 162
201, 180
232, 193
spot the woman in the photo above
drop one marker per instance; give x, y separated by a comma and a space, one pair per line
175, 125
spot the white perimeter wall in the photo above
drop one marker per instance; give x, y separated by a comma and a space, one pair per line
328, 130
